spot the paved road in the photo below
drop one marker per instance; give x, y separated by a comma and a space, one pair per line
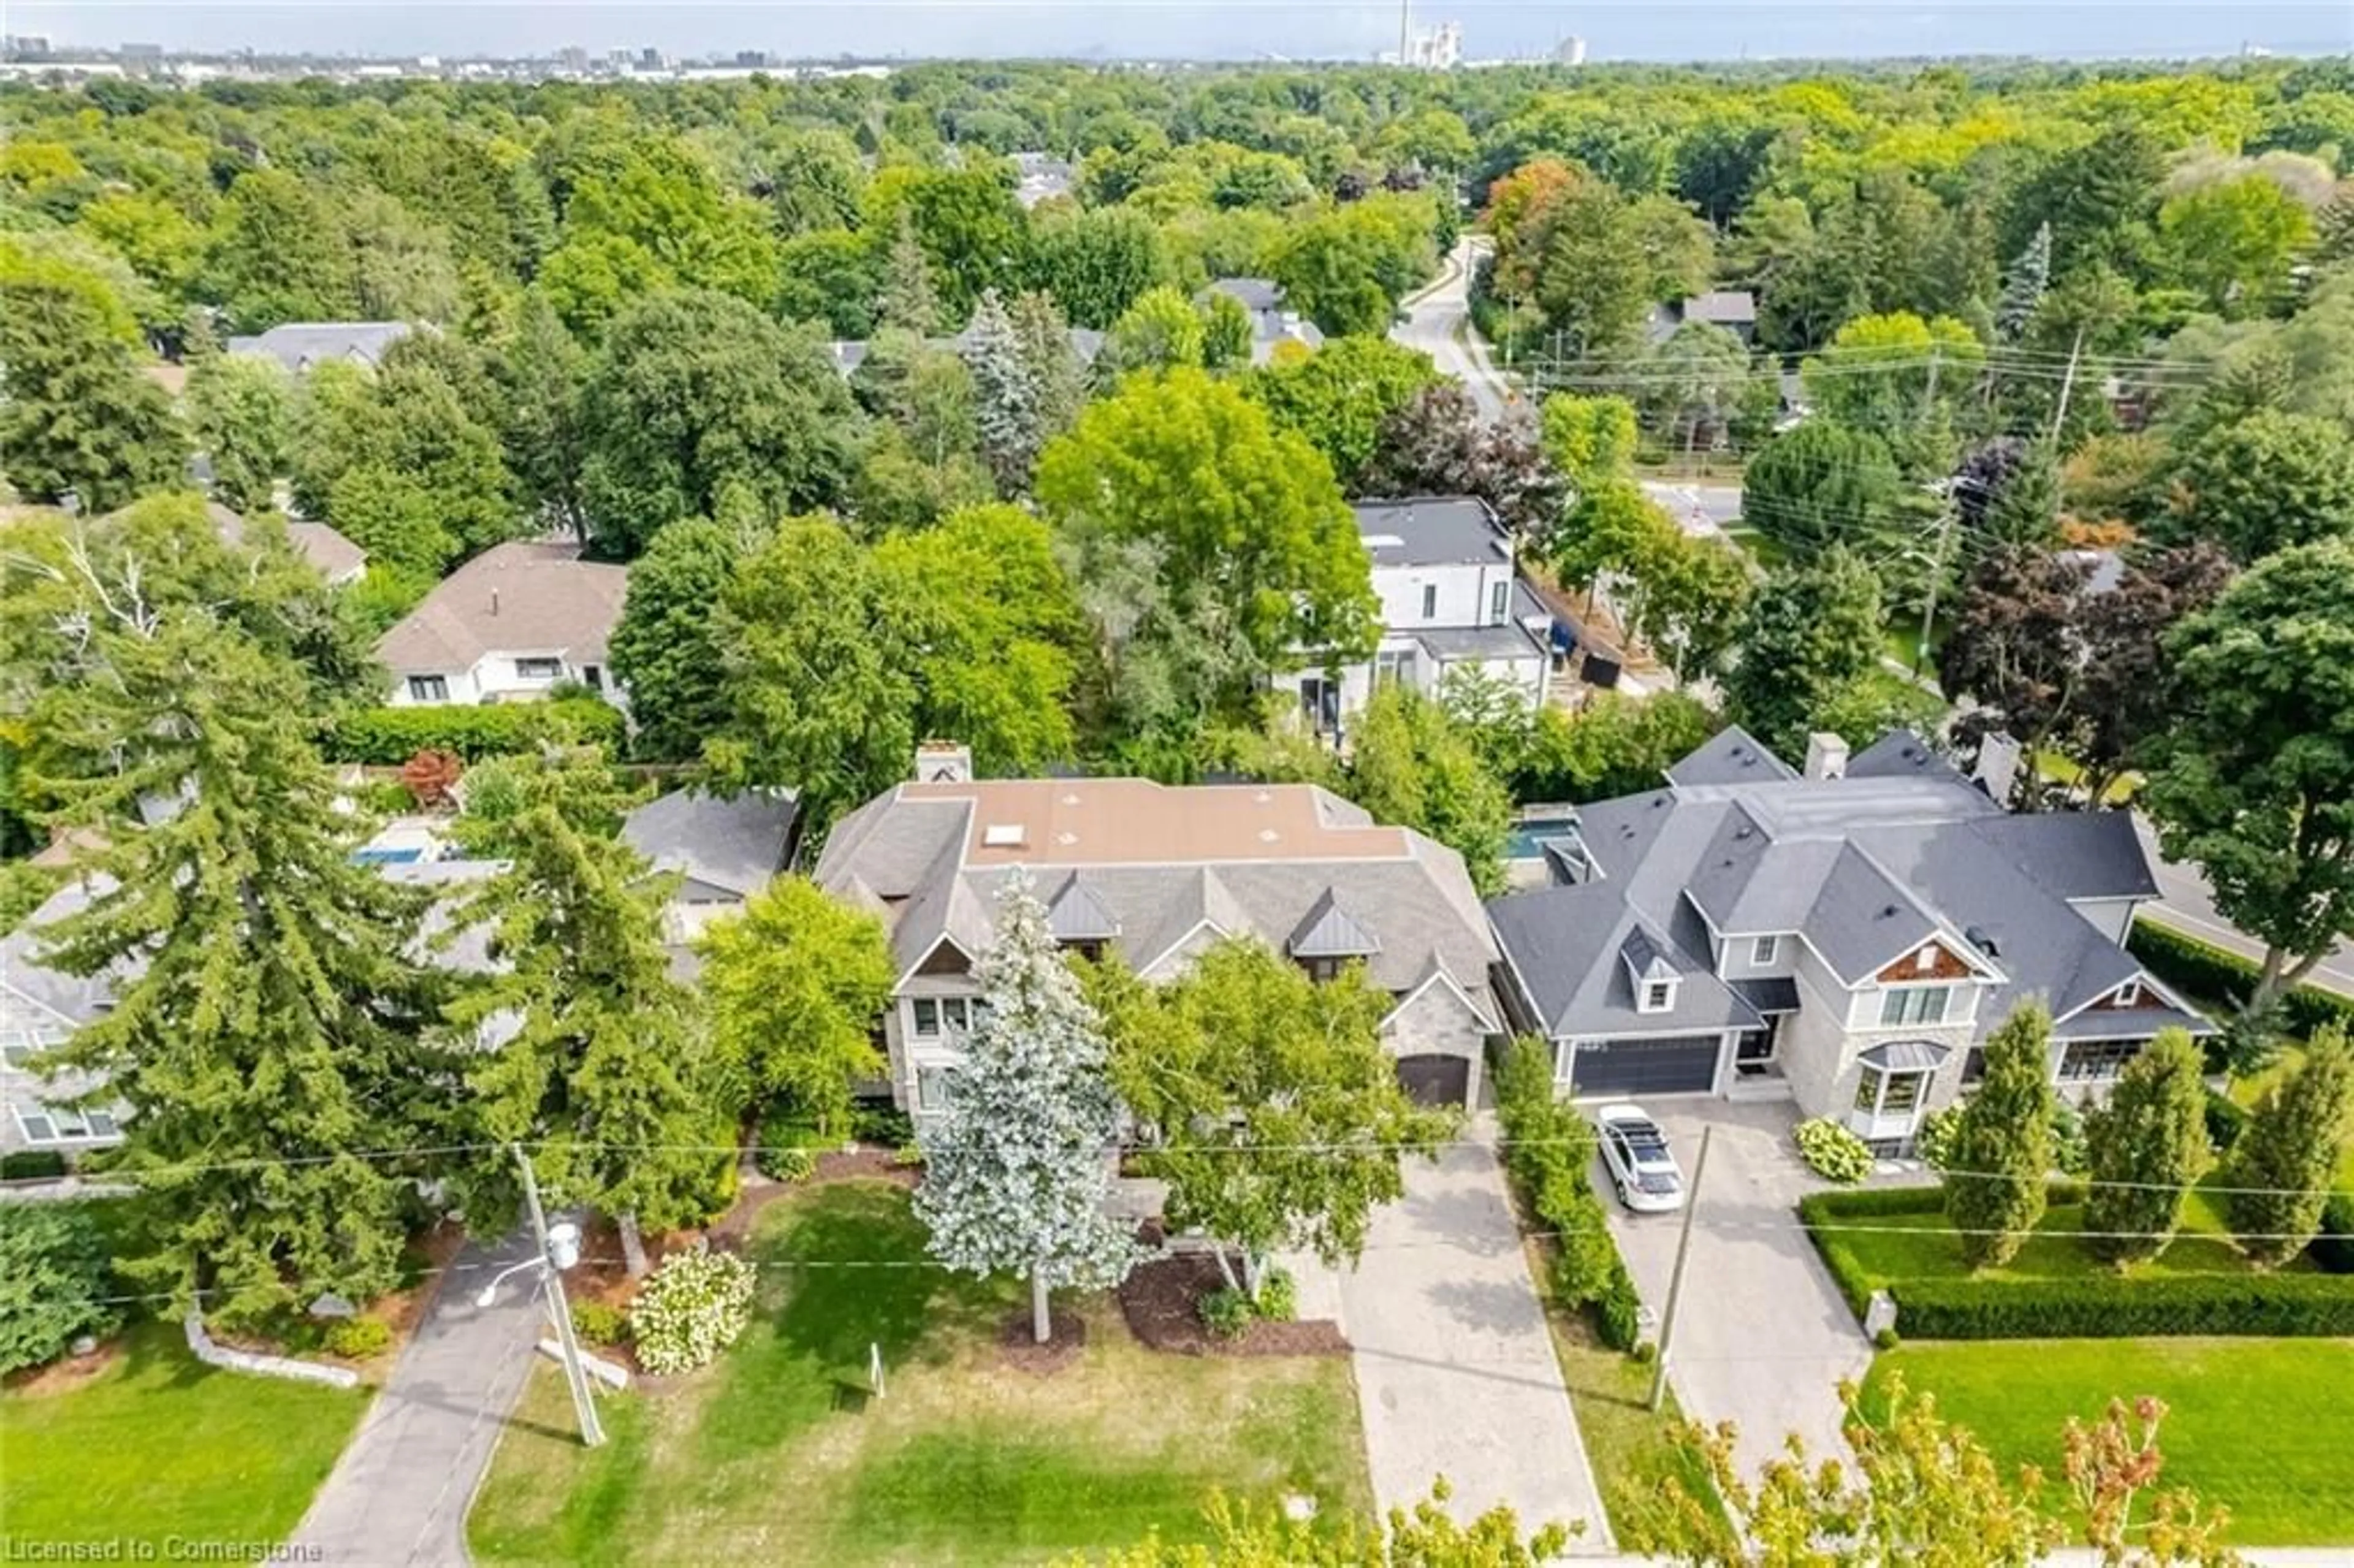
1439, 323
2185, 902
1702, 511
401, 1492
1455, 1366
1765, 1337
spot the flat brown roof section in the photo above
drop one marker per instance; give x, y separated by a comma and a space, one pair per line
1135, 821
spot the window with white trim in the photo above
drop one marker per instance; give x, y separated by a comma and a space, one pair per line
2129, 994
1658, 995
1889, 1091
46, 1124
1430, 602
538, 669
428, 688
2088, 1060
1902, 1007
931, 1088
1500, 602
936, 1016
1764, 950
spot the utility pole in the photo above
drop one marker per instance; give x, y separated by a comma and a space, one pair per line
2067, 385
1936, 581
1675, 1280
584, 1404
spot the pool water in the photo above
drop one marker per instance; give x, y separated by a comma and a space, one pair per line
1523, 841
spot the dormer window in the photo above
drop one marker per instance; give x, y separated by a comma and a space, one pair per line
1658, 995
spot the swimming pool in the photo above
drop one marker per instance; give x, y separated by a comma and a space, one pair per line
1524, 839
387, 856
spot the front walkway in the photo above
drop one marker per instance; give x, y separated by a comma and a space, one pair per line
401, 1492
1765, 1337
1456, 1371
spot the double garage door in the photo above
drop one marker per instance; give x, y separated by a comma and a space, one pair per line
1681, 1064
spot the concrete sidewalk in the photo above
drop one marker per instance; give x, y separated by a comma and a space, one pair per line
1456, 1371
401, 1492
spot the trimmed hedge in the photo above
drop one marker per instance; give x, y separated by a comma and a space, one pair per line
2209, 973
390, 737
2255, 1306
1549, 1148
32, 1165
2095, 1306
2333, 1250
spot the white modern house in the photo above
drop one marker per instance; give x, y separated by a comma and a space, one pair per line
514, 621
1451, 598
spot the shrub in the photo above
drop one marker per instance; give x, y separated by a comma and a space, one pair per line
2071, 1154
908, 1156
2002, 1142
691, 1308
788, 1143
1886, 1339
1831, 1151
1225, 1313
53, 1278
2146, 1144
1935, 1142
356, 1339
2225, 1122
1278, 1296
601, 1322
2332, 1247
32, 1164
391, 736
1645, 1353
2285, 1163
881, 1123
2105, 1307
1548, 1148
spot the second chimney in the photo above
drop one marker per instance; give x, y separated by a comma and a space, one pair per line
1826, 756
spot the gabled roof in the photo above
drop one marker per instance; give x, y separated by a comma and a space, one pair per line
337, 558
1726, 307
1648, 958
735, 843
1863, 869
1151, 868
527, 596
1731, 756
1901, 754
1328, 931
298, 345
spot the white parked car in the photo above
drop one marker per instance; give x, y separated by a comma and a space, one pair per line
1635, 1151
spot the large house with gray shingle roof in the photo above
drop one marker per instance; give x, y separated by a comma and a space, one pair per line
1846, 936
1155, 873
514, 621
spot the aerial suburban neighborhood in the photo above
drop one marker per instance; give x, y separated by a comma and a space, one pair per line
1177, 787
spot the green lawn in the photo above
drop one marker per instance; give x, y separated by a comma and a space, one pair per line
159, 1445
772, 1454
2262, 1426
1923, 1247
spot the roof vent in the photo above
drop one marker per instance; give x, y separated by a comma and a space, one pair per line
1070, 799
1743, 832
1888, 911
1263, 797
1268, 835
1004, 835
1983, 940
1066, 837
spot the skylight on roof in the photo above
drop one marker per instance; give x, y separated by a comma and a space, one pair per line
1384, 542
1004, 835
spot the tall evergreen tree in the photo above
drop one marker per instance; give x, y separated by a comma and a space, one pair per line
2149, 1144
77, 415
2281, 1168
1007, 395
1017, 1168
909, 299
2003, 1141
268, 1040
607, 1076
2023, 286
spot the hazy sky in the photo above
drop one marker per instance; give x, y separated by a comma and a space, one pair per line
1235, 28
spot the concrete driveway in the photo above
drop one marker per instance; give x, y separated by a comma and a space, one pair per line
1765, 1337
1456, 1371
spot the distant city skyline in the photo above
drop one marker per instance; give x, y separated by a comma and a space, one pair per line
1202, 29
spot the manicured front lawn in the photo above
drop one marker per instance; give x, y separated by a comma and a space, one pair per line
159, 1445
772, 1453
2261, 1426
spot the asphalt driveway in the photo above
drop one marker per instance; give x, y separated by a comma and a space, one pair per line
1456, 1371
1765, 1337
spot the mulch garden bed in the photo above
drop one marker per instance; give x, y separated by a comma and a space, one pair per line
1159, 1299
1018, 1342
863, 1164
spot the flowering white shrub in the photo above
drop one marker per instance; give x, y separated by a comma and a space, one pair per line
693, 1308
1832, 1151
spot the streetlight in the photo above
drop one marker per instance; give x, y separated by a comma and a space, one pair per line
560, 1249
